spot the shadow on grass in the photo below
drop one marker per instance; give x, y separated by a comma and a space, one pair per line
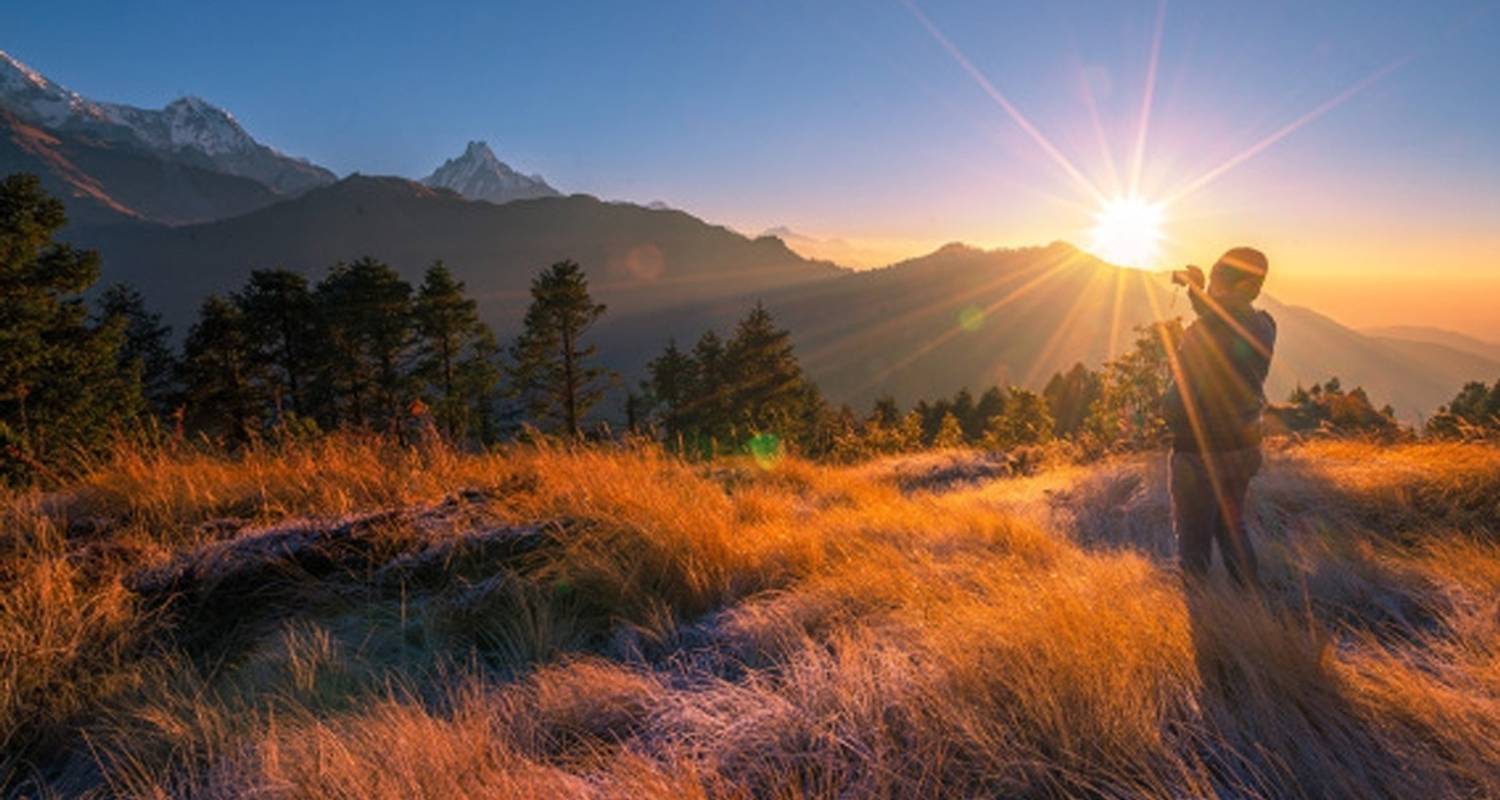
1323, 546
1279, 720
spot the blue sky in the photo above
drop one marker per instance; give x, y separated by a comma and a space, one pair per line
850, 120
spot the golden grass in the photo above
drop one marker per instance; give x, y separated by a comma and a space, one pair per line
805, 631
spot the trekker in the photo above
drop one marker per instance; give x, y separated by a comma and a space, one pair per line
1213, 410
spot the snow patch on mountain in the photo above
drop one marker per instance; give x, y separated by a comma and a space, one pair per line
33, 96
479, 175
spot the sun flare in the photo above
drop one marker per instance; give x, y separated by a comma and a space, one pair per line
1127, 231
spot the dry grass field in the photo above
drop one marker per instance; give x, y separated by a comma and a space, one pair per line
348, 618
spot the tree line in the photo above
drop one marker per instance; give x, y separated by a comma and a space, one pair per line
360, 348
1112, 409
356, 349
1473, 413
1117, 408
722, 394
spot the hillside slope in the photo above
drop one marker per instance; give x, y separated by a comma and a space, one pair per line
349, 618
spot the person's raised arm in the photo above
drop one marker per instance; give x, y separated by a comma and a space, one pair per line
1192, 277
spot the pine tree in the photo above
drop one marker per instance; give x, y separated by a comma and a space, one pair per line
932, 416
851, 440
886, 412
709, 417
1070, 395
991, 404
278, 306
1026, 420
968, 417
145, 358
909, 436
876, 434
949, 433
887, 431
635, 412
366, 327
768, 393
479, 381
552, 372
59, 377
814, 436
448, 335
221, 375
669, 389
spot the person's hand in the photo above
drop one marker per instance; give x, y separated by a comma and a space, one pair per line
1191, 275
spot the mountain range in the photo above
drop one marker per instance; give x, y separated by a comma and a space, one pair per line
963, 316
182, 202
188, 162
639, 259
96, 154
1479, 348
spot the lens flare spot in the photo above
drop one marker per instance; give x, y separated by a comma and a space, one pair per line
765, 448
644, 263
971, 318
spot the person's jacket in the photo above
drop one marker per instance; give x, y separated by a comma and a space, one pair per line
1217, 396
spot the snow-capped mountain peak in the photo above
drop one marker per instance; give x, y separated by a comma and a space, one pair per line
195, 123
478, 175
480, 151
189, 129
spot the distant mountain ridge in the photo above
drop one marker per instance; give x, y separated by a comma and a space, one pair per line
638, 259
478, 175
965, 317
188, 130
1438, 336
959, 316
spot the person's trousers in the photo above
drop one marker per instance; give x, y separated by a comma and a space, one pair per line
1208, 505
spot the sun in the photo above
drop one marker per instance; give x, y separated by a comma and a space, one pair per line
1127, 231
